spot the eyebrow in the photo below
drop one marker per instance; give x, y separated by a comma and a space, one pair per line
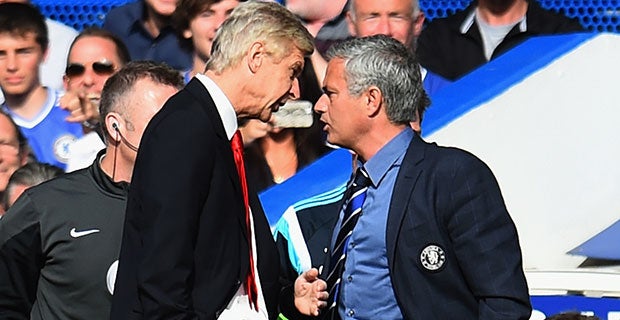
297, 69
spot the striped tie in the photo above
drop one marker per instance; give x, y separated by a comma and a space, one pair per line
352, 208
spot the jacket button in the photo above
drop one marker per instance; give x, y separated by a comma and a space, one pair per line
325, 250
351, 313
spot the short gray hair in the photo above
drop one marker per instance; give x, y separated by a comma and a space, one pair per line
415, 6
386, 63
258, 21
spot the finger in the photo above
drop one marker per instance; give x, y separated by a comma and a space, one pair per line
77, 118
311, 274
322, 296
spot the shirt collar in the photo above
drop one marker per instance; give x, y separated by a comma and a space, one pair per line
388, 156
222, 104
470, 19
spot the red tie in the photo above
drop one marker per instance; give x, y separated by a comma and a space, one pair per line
250, 282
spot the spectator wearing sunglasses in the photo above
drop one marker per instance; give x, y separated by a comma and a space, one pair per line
145, 28
23, 46
94, 56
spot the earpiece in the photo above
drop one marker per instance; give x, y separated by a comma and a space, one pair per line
118, 133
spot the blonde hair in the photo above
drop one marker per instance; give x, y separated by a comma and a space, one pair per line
253, 21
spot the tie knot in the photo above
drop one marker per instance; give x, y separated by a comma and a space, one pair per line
237, 141
362, 179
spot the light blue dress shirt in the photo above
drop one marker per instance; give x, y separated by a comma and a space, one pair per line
366, 290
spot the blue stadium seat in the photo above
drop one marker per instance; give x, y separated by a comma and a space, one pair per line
595, 15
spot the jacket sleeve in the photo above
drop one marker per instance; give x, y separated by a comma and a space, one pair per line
21, 259
170, 202
486, 243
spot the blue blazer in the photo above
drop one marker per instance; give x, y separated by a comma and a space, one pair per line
452, 248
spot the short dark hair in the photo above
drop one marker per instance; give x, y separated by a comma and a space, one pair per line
185, 12
121, 49
571, 316
31, 174
19, 19
121, 83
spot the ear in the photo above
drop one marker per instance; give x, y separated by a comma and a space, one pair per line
23, 156
351, 24
374, 101
415, 125
112, 119
45, 54
65, 82
255, 56
187, 34
418, 24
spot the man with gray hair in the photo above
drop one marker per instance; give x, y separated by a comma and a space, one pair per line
196, 244
399, 19
423, 232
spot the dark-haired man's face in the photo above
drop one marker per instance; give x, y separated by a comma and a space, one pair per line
20, 57
99, 60
203, 27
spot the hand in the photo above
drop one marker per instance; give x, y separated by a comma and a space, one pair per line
254, 129
82, 106
310, 293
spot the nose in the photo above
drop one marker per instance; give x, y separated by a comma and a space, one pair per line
295, 93
384, 27
321, 104
11, 62
88, 79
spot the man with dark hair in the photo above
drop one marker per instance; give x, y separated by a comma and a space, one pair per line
95, 55
61, 36
59, 243
34, 108
196, 22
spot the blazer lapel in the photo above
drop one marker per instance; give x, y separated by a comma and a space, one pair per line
202, 95
406, 180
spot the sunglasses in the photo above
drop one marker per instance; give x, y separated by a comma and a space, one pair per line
102, 68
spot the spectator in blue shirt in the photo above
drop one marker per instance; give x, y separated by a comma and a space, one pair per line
145, 27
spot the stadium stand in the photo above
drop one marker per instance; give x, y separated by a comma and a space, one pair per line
594, 15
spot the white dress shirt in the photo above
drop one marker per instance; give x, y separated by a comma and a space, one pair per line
239, 306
